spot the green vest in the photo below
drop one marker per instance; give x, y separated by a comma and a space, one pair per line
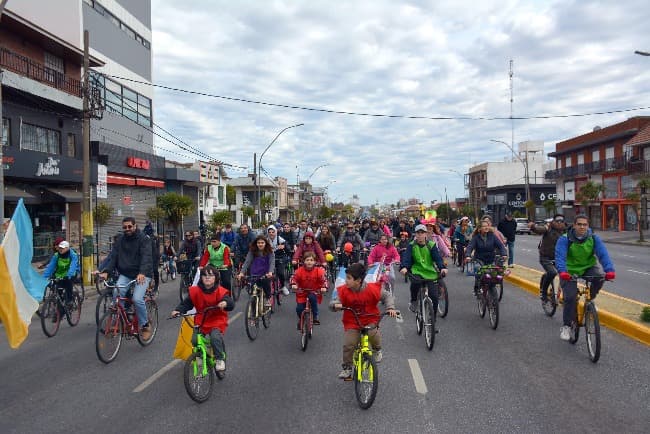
62, 266
580, 256
422, 261
216, 256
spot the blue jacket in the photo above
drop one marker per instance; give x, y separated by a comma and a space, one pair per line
228, 238
562, 248
72, 271
484, 250
240, 244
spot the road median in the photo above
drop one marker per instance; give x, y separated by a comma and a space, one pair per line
615, 312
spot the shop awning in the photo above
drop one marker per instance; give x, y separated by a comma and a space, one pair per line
121, 180
144, 182
13, 193
67, 194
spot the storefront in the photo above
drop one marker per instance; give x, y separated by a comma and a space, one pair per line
512, 198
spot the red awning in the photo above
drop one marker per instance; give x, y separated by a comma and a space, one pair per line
150, 183
122, 180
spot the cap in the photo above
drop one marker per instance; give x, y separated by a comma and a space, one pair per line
348, 247
58, 240
309, 234
64, 245
548, 220
420, 228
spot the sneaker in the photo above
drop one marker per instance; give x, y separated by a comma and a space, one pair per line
220, 365
316, 321
565, 333
345, 373
511, 266
285, 290
378, 356
145, 332
413, 306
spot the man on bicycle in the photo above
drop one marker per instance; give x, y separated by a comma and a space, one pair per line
575, 255
352, 237
191, 246
241, 243
422, 258
131, 256
550, 233
217, 254
281, 257
63, 265
373, 234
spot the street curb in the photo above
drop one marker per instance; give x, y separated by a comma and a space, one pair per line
608, 319
628, 243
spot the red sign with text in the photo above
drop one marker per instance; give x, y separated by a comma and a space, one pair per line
138, 163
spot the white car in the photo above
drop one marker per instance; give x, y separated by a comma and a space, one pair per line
522, 226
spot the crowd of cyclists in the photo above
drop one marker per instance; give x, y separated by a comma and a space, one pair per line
420, 247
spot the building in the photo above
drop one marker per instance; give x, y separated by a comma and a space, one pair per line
616, 157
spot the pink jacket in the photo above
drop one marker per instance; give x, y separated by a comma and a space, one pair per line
379, 251
441, 242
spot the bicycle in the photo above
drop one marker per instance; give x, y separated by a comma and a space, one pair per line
200, 367
256, 309
237, 285
187, 270
54, 306
587, 317
365, 374
425, 315
552, 296
306, 322
487, 296
104, 297
118, 323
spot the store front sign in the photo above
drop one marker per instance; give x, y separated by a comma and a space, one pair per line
102, 181
138, 163
49, 168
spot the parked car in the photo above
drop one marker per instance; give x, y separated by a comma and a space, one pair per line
522, 226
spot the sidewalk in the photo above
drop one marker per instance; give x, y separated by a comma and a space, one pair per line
616, 312
625, 237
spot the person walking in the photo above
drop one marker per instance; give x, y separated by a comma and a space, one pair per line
508, 227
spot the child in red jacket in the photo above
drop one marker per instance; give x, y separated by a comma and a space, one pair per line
309, 282
208, 293
363, 297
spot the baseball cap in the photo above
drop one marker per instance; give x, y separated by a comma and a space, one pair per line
420, 228
64, 245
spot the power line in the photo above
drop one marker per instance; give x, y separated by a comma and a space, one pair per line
379, 115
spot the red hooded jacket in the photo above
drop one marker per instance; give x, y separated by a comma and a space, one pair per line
364, 302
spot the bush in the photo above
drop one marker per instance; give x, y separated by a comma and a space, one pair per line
645, 314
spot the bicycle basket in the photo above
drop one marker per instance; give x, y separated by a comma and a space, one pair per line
490, 274
184, 267
472, 267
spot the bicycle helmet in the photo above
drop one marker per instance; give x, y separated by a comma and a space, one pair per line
348, 247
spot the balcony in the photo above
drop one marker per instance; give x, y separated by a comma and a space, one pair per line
29, 68
602, 166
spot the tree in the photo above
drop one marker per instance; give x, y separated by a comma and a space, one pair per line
637, 197
231, 196
549, 207
467, 210
445, 213
248, 211
176, 207
325, 212
155, 213
103, 212
589, 193
530, 209
219, 218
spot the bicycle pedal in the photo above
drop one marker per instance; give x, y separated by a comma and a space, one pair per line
348, 378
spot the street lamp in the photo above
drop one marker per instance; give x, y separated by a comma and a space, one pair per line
319, 167
258, 178
525, 163
642, 53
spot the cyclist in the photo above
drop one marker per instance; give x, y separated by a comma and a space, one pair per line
155, 253
462, 236
303, 228
261, 261
289, 238
403, 242
383, 250
363, 297
309, 244
312, 279
550, 233
228, 236
191, 247
241, 244
63, 265
326, 239
217, 254
508, 227
575, 255
278, 245
373, 233
168, 255
208, 293
131, 257
423, 259
434, 234
483, 245
352, 237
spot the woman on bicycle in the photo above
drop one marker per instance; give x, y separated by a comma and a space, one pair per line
383, 250
217, 254
309, 244
261, 261
312, 281
434, 234
208, 293
484, 245
462, 237
168, 255
326, 239
363, 297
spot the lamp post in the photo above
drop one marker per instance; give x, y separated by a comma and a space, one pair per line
319, 167
259, 172
525, 163
642, 53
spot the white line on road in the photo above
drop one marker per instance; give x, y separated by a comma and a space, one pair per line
640, 272
149, 381
628, 256
418, 379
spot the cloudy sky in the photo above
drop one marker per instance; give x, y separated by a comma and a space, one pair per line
423, 59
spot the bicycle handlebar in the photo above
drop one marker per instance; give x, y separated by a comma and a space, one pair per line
380, 315
205, 311
419, 279
115, 285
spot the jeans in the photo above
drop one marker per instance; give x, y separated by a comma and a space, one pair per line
432, 289
216, 340
313, 300
547, 278
138, 296
511, 252
570, 291
351, 339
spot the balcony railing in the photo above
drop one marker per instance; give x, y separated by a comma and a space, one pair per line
602, 166
29, 68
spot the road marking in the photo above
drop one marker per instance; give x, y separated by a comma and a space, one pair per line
640, 272
418, 379
628, 256
149, 381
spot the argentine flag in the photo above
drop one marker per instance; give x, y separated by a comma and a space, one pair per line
21, 287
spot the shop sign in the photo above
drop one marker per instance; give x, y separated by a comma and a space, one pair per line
543, 197
49, 168
138, 163
102, 181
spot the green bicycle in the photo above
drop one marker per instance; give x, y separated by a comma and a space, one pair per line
200, 367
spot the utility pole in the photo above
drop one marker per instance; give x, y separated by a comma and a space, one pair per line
2, 163
512, 121
87, 249
255, 189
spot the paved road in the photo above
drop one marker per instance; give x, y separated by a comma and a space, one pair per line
632, 265
519, 378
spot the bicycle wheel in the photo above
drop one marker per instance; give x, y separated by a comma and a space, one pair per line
575, 332
305, 321
108, 338
266, 315
500, 290
74, 312
366, 381
443, 299
592, 332
481, 302
197, 383
184, 286
104, 300
550, 305
418, 319
163, 272
429, 317
50, 316
78, 287
152, 316
493, 307
235, 290
252, 322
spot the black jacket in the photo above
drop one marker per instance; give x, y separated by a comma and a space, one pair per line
484, 250
549, 239
508, 229
131, 256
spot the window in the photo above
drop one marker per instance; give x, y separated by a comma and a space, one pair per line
611, 187
122, 100
117, 23
581, 158
595, 155
567, 161
40, 139
6, 132
628, 185
72, 145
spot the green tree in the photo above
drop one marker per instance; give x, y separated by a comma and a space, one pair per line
445, 213
219, 218
467, 210
549, 207
103, 212
589, 193
231, 196
155, 213
530, 209
325, 212
176, 207
248, 211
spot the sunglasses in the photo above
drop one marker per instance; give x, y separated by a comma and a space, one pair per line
127, 227
350, 227
559, 220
